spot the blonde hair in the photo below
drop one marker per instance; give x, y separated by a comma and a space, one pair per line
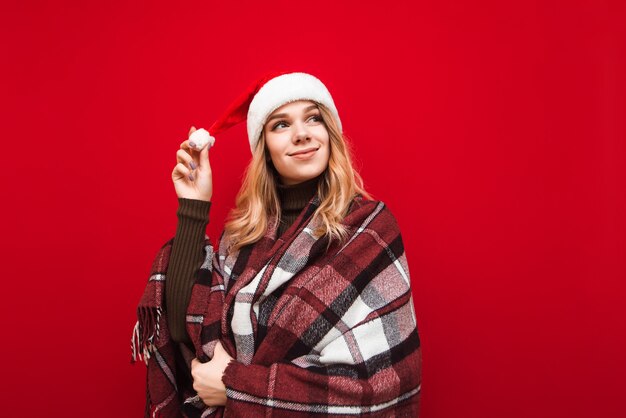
258, 199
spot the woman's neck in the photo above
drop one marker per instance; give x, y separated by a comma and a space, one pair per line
293, 198
296, 196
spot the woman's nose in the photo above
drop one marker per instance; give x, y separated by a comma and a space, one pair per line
301, 133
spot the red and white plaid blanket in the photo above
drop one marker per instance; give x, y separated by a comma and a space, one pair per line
315, 332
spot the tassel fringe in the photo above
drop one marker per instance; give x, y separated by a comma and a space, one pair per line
146, 333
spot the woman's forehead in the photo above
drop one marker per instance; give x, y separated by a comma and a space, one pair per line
298, 105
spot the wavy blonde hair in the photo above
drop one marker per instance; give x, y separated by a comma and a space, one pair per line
258, 199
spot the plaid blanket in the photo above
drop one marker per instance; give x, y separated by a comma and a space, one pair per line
316, 330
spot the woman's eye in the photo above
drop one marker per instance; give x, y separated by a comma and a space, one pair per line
280, 124
283, 124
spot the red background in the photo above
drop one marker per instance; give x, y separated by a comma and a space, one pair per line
493, 130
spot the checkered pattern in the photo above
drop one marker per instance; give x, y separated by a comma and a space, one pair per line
315, 331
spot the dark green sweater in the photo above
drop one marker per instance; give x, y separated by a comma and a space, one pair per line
187, 250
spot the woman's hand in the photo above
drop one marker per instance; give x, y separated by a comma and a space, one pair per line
192, 175
207, 377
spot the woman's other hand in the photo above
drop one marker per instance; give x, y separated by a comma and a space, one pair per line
192, 175
207, 377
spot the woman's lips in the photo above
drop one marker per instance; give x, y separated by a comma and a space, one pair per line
304, 155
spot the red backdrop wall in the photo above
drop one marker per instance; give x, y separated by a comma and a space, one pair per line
493, 130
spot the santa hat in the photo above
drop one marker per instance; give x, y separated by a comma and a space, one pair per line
268, 94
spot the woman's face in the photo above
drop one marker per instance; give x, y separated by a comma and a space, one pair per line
297, 141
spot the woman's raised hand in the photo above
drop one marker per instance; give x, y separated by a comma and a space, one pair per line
192, 175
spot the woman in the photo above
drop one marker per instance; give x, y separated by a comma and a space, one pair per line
306, 308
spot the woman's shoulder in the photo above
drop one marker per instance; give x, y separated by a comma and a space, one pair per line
370, 210
372, 224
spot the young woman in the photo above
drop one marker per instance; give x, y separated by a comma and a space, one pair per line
306, 308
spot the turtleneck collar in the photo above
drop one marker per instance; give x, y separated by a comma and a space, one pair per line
296, 196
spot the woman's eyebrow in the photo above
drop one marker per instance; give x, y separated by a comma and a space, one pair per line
284, 115
312, 107
277, 116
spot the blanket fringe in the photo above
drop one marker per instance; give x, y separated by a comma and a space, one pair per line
146, 333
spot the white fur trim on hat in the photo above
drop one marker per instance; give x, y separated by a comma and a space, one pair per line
284, 89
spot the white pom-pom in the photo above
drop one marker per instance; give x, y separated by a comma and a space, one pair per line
200, 138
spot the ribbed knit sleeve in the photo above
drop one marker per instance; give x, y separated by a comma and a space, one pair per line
185, 260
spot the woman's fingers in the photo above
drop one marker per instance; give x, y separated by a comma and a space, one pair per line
183, 157
186, 161
185, 146
203, 157
189, 159
181, 171
192, 174
189, 156
191, 130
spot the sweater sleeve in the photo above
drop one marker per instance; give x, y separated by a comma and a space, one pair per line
185, 259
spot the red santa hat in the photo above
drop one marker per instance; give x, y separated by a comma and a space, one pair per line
268, 94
